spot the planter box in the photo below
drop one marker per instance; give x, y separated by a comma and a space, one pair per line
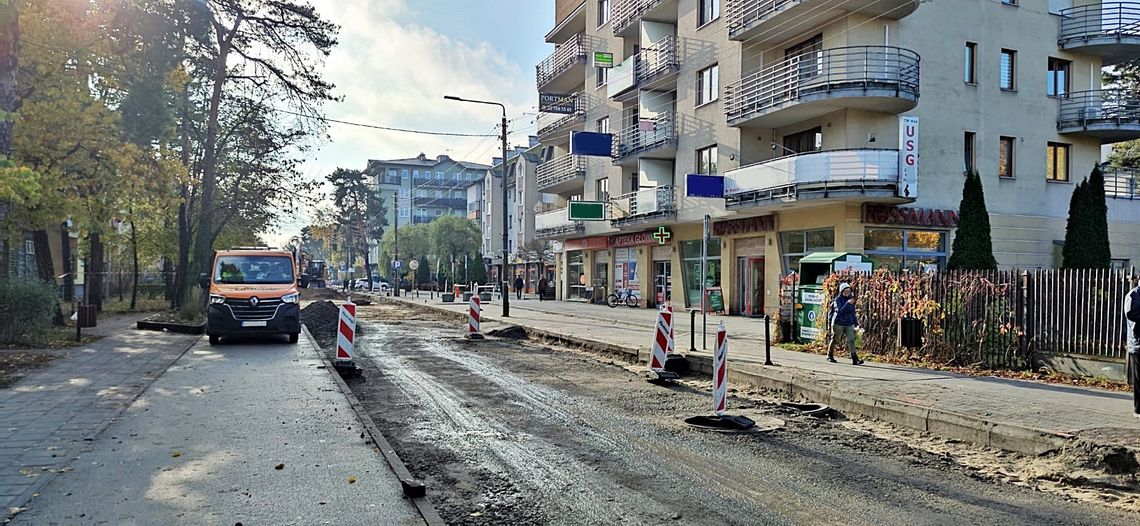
484, 296
448, 298
467, 297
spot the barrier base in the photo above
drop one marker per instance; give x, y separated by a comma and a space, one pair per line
473, 336
675, 363
347, 369
657, 376
721, 422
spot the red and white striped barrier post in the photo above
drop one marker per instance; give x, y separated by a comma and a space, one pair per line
672, 338
346, 332
720, 371
473, 312
662, 340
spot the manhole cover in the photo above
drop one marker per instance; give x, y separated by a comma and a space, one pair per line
734, 423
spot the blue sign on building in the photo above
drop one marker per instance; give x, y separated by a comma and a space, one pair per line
591, 143
701, 185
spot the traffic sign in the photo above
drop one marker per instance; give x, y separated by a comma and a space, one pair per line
396, 264
587, 211
414, 264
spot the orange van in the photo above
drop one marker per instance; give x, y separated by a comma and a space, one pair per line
253, 291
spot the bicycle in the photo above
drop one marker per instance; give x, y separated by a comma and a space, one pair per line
623, 296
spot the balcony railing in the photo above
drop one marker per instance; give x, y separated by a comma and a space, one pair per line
1110, 112
640, 70
555, 223
568, 54
1106, 24
625, 13
644, 205
551, 122
830, 173
648, 134
556, 172
744, 15
828, 73
1122, 183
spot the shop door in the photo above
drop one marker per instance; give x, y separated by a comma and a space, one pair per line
661, 276
750, 288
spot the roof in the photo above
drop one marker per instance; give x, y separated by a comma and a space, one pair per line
425, 161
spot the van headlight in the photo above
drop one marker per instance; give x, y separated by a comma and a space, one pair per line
291, 298
217, 299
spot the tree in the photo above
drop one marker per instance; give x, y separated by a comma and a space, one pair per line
1125, 76
477, 271
361, 213
451, 237
413, 244
973, 247
423, 273
1086, 231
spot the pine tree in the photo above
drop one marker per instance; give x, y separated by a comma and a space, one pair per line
477, 272
423, 273
1086, 233
973, 247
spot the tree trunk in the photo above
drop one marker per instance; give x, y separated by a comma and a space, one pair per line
168, 279
134, 265
181, 291
45, 268
68, 269
95, 284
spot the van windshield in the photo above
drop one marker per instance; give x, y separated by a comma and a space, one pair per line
266, 270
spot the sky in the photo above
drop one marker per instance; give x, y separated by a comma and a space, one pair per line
398, 58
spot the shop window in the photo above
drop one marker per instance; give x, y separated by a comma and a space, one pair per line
898, 249
795, 245
691, 268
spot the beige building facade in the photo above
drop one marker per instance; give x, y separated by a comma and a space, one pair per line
833, 125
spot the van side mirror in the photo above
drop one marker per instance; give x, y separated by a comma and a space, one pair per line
204, 280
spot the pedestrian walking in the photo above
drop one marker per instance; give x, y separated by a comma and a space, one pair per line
518, 287
843, 323
542, 284
1132, 318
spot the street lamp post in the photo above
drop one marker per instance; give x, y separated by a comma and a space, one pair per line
503, 266
396, 250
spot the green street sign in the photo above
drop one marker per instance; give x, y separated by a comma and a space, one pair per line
603, 59
587, 211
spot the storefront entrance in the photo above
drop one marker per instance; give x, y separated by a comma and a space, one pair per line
750, 286
662, 271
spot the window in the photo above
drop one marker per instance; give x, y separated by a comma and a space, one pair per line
438, 212
897, 249
691, 268
1057, 82
809, 55
392, 175
971, 63
710, 10
708, 84
602, 190
1005, 157
803, 142
969, 159
404, 173
405, 192
603, 125
1008, 70
1057, 162
439, 194
1009, 2
29, 247
603, 76
706, 160
404, 212
415, 174
439, 176
603, 12
795, 245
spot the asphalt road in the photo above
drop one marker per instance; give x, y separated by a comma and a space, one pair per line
518, 433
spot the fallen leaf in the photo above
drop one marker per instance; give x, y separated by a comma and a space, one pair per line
352, 480
279, 466
177, 454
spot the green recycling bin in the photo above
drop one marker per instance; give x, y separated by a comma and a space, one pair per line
809, 308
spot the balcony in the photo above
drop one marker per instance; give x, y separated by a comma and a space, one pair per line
565, 69
625, 14
1109, 30
569, 18
1111, 115
868, 175
650, 205
655, 67
555, 224
653, 138
550, 124
1122, 183
775, 21
453, 203
563, 175
874, 78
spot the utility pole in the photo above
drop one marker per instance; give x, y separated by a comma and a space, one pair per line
503, 266
396, 235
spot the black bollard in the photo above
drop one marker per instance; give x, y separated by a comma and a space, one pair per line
692, 330
768, 340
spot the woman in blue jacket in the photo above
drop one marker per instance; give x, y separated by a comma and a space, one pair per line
843, 323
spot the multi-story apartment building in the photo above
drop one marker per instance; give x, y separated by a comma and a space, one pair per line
837, 125
524, 203
428, 187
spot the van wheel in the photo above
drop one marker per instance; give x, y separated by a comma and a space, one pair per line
293, 337
215, 339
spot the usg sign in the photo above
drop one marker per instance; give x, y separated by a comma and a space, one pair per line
908, 157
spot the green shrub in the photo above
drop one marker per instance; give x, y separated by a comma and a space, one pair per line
26, 310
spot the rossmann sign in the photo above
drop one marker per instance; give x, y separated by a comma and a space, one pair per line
908, 157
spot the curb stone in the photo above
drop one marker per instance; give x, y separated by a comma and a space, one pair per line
797, 385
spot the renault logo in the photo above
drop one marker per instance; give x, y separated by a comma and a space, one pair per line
254, 301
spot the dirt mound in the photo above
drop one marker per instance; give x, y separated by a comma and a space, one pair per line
321, 317
321, 294
514, 332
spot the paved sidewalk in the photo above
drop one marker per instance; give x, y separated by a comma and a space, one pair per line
49, 416
925, 399
202, 444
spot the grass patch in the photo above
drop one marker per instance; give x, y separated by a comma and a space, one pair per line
16, 364
142, 305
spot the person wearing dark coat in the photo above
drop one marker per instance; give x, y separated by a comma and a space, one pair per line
843, 323
1132, 321
518, 287
542, 284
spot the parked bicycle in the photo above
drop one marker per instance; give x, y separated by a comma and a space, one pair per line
623, 296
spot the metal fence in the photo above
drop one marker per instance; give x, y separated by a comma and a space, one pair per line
997, 319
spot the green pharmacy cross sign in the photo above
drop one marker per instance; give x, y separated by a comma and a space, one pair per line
662, 236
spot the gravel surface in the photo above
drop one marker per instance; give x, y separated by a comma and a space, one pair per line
511, 432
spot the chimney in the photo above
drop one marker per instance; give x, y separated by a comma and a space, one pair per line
533, 140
